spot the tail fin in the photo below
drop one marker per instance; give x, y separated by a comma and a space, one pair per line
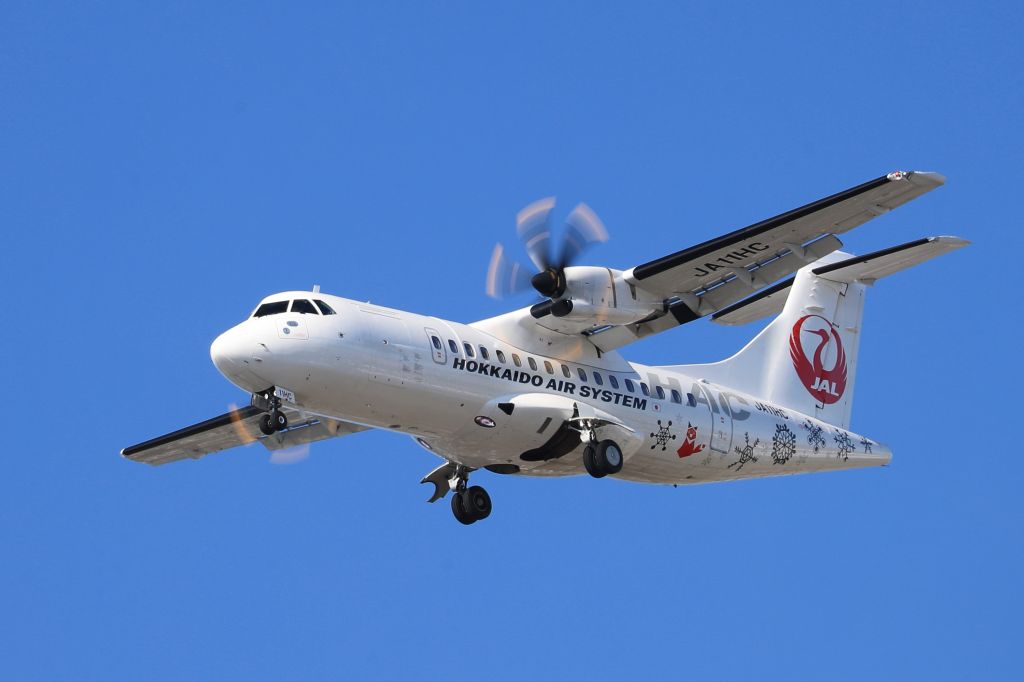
806, 359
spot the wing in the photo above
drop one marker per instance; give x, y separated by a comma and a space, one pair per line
238, 427
701, 266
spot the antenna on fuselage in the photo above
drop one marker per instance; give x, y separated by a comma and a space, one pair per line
316, 288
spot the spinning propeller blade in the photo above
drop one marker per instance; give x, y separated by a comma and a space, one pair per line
533, 225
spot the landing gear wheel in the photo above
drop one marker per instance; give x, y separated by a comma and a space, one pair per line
590, 464
267, 425
608, 457
279, 420
477, 502
462, 514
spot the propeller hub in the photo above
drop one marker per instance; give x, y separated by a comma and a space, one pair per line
549, 282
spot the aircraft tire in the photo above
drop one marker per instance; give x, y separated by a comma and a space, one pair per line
279, 420
590, 464
462, 515
266, 425
608, 457
477, 502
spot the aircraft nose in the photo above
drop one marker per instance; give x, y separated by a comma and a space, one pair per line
227, 351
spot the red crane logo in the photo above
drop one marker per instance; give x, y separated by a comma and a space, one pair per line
825, 385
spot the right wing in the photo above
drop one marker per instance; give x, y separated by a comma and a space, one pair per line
235, 428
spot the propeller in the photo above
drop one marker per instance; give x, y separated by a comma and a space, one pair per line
506, 276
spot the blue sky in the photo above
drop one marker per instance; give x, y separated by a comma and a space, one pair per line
163, 167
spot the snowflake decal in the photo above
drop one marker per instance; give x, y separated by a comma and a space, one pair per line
746, 453
783, 444
845, 445
814, 436
663, 436
866, 444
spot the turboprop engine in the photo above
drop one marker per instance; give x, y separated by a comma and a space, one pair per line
595, 297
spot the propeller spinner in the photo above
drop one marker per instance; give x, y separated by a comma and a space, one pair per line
506, 276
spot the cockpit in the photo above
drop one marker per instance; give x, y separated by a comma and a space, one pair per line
299, 305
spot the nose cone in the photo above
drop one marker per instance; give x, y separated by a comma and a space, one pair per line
232, 356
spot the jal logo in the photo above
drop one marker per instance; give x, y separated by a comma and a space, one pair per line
815, 334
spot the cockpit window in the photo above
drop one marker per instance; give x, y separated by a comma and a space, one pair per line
272, 308
301, 305
324, 308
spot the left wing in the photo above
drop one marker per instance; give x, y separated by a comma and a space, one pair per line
235, 428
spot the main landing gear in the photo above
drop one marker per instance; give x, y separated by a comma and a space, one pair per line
602, 458
469, 503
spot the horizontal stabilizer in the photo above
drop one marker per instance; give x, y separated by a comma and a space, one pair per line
865, 269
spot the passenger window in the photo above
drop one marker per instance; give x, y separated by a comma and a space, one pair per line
660, 392
453, 346
501, 356
643, 389
436, 341
597, 379
484, 354
566, 373
583, 375
613, 381
301, 305
548, 367
324, 308
676, 398
272, 308
629, 386
469, 350
516, 360
533, 363
690, 400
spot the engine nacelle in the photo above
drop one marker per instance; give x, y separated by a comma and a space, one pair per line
595, 297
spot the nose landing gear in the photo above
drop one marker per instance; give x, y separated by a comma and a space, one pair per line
274, 420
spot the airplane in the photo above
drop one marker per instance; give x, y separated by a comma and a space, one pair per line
544, 390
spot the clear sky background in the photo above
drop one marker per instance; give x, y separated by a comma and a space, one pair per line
163, 166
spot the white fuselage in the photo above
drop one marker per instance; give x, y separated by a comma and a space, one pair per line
382, 368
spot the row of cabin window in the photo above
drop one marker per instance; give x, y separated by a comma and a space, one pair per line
659, 392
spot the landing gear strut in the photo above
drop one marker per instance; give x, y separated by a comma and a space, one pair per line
469, 503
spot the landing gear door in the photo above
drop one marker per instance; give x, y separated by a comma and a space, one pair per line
436, 346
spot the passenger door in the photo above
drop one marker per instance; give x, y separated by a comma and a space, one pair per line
436, 346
